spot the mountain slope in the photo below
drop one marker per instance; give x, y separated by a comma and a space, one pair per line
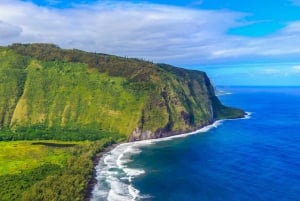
57, 93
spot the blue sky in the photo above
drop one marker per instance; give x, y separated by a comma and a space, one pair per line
236, 42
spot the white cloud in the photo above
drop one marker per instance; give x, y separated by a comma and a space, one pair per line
282, 43
9, 30
155, 32
139, 30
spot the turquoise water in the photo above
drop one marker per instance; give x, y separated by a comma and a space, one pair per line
238, 160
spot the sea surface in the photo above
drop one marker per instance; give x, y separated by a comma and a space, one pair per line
252, 159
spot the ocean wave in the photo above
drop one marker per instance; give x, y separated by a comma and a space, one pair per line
248, 115
222, 93
115, 178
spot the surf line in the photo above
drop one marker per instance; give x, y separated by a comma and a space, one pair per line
114, 177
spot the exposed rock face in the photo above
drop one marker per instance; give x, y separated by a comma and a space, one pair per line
45, 87
138, 134
186, 103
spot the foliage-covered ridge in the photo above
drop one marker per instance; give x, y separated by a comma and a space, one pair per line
51, 93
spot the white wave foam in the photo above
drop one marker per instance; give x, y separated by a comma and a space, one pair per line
133, 192
115, 178
248, 115
133, 172
201, 130
222, 93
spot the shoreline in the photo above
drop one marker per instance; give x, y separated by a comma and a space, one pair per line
93, 181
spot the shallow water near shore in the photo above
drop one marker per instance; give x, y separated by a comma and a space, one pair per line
248, 159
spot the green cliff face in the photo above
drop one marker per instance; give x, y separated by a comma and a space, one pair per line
45, 88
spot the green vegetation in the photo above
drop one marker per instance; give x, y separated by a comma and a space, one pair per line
48, 93
67, 95
225, 112
39, 132
16, 157
43, 170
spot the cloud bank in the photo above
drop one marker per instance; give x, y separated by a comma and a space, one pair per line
160, 33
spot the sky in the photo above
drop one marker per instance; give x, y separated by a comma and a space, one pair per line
236, 42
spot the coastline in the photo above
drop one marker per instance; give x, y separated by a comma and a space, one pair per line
167, 136
92, 181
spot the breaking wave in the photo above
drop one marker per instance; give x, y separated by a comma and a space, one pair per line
114, 177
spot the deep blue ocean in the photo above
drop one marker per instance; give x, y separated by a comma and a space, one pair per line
254, 159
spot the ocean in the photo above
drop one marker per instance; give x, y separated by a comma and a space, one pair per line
252, 159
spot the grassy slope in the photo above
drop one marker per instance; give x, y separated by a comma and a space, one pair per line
58, 94
58, 97
43, 170
49, 90
12, 79
19, 156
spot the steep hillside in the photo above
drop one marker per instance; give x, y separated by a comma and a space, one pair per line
52, 93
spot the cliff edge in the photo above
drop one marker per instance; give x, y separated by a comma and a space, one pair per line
51, 93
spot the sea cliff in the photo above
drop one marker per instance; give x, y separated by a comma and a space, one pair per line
51, 93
